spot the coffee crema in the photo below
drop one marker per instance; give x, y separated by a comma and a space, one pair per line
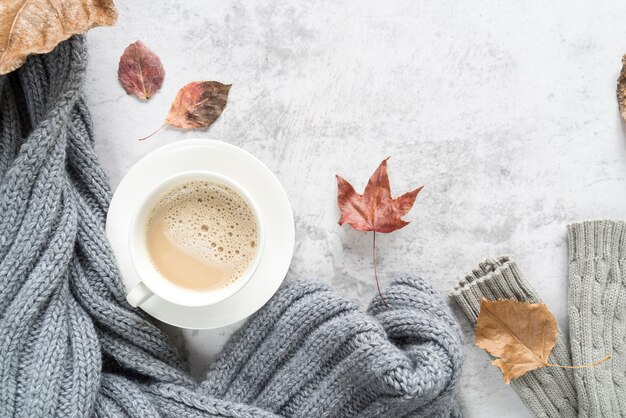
202, 235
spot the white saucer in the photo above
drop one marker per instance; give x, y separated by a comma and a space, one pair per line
250, 173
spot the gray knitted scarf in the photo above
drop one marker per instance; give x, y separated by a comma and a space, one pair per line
71, 346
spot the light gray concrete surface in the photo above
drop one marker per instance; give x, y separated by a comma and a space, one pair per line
505, 110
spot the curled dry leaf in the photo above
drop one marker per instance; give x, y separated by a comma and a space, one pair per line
140, 71
197, 105
375, 210
521, 336
37, 26
621, 89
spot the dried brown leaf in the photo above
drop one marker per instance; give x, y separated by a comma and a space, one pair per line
621, 89
197, 105
140, 71
521, 335
37, 26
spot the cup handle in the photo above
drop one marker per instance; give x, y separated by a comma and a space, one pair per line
138, 295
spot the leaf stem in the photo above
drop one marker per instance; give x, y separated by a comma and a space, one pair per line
146, 137
582, 366
376, 272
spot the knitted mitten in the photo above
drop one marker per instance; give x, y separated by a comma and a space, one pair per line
548, 391
597, 315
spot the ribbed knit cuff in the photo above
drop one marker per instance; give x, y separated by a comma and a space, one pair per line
495, 278
605, 239
549, 391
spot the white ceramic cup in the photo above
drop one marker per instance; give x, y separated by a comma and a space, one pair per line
154, 283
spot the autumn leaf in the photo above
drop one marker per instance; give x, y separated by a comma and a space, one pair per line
375, 210
520, 335
197, 105
140, 71
37, 26
621, 89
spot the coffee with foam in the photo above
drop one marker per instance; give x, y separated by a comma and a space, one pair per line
202, 235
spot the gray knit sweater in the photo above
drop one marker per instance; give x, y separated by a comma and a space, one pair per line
70, 345
597, 323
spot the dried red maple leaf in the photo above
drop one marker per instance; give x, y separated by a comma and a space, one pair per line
375, 210
197, 105
140, 71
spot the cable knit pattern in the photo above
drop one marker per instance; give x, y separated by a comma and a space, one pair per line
70, 345
597, 315
549, 391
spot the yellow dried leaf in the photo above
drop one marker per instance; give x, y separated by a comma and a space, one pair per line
37, 26
521, 335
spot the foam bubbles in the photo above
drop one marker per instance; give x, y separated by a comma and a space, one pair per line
210, 222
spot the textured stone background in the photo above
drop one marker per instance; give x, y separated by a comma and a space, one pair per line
505, 110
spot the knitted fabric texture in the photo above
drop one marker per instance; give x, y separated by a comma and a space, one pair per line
70, 345
597, 323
